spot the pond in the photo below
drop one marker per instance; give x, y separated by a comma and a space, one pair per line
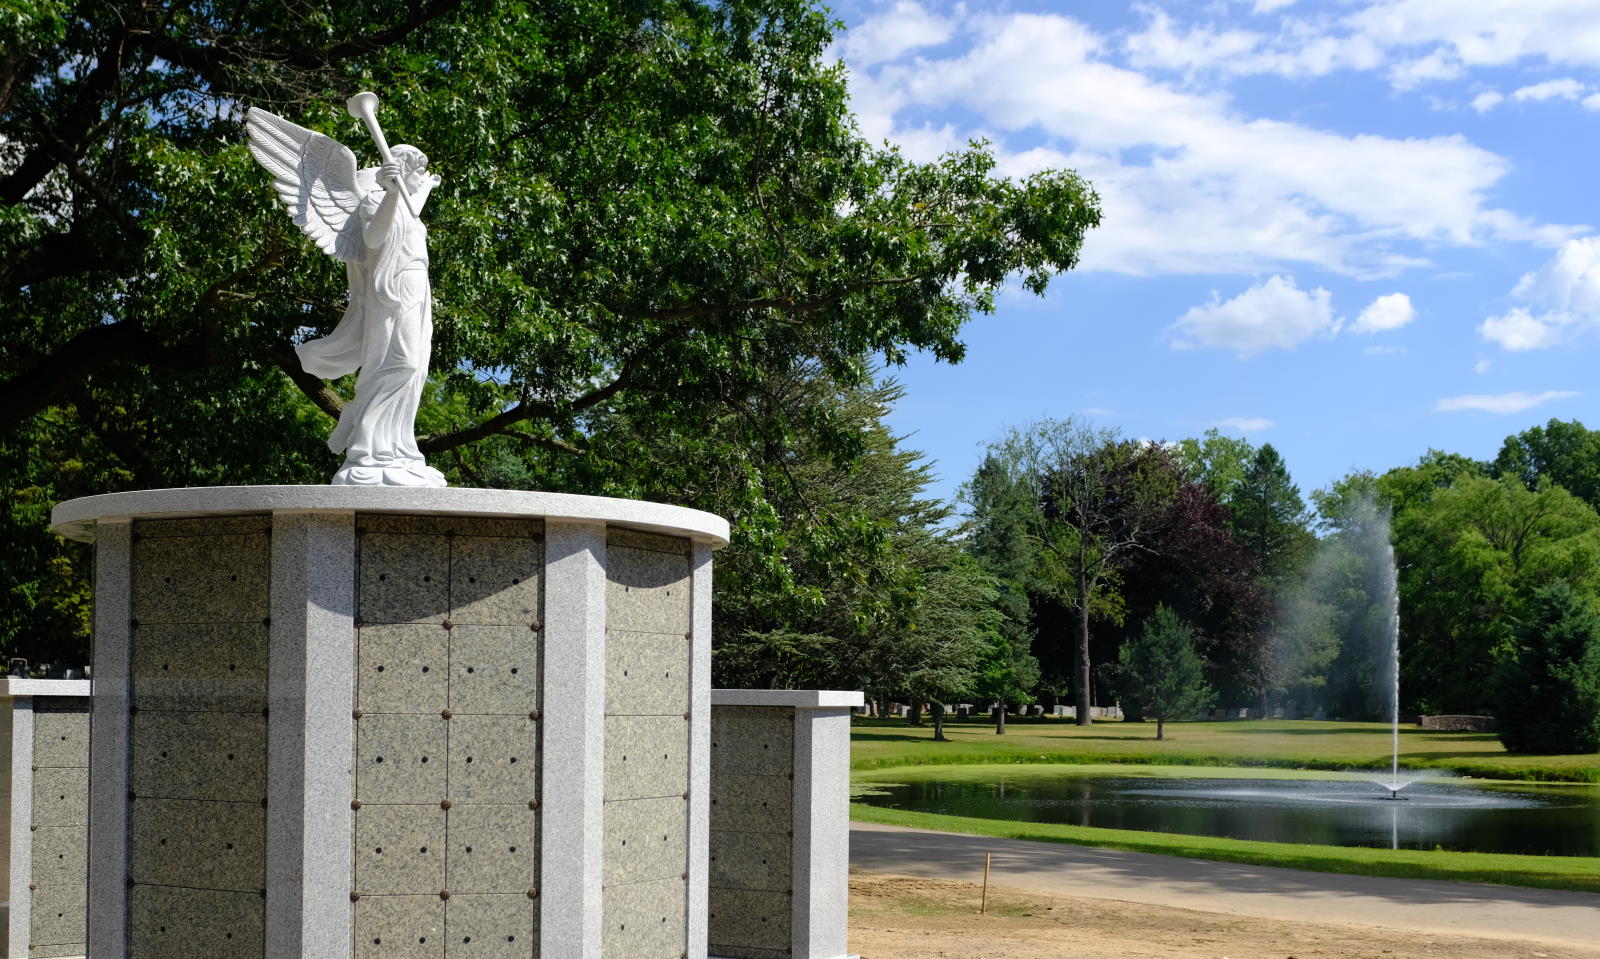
1444, 813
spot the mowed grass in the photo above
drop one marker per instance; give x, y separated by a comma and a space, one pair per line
1292, 744
1575, 873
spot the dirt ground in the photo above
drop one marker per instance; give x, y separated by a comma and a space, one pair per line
903, 917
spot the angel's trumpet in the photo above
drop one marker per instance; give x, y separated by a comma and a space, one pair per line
364, 107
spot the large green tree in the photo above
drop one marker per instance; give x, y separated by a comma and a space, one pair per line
1561, 452
1549, 681
1468, 560
1160, 670
651, 209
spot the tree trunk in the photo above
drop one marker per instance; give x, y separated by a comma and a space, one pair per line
1160, 728
938, 723
1000, 720
915, 714
1080, 655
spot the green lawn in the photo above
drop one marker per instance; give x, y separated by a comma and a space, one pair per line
1306, 744
889, 750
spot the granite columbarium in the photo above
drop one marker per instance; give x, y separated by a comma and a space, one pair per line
388, 719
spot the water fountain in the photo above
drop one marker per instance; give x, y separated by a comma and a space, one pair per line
1391, 596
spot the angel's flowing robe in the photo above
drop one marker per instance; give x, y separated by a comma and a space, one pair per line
386, 333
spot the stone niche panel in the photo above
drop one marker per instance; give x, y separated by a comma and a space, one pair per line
646, 839
399, 927
201, 570
647, 583
760, 861
491, 927
494, 669
402, 669
57, 915
400, 850
204, 844
174, 923
751, 803
60, 855
647, 674
497, 580
646, 757
401, 759
214, 667
403, 577
60, 736
493, 849
200, 755
752, 740
749, 919
644, 920
493, 759
61, 796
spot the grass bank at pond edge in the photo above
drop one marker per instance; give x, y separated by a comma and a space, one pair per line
1575, 873
1290, 744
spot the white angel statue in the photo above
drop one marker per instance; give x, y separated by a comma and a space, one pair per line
367, 218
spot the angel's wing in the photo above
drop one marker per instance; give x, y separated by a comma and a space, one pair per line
316, 178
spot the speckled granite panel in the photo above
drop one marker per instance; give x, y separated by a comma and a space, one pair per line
491, 927
60, 855
448, 525
399, 927
496, 580
61, 796
647, 674
188, 755
402, 669
209, 845
191, 666
400, 759
752, 741
75, 950
403, 578
200, 578
646, 839
759, 920
751, 803
494, 669
173, 923
646, 591
637, 539
646, 756
57, 914
208, 526
644, 920
61, 738
400, 850
493, 759
493, 849
753, 860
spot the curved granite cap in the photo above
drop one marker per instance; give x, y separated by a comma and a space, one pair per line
76, 519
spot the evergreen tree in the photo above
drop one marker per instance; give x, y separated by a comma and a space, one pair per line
1269, 517
1549, 685
1160, 670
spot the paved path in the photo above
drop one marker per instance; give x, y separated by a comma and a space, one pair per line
1466, 909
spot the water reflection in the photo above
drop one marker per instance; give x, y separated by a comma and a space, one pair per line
1529, 819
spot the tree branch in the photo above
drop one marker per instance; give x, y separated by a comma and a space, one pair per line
781, 304
502, 422
314, 387
87, 353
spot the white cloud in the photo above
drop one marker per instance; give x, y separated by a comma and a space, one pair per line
1268, 6
1482, 366
1410, 74
1486, 32
1566, 89
1383, 350
1487, 100
904, 27
1592, 101
1246, 424
1388, 312
1275, 314
1502, 402
1187, 182
1565, 291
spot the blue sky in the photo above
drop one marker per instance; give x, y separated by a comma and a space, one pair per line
1355, 229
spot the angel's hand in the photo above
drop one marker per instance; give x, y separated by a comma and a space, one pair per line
389, 174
